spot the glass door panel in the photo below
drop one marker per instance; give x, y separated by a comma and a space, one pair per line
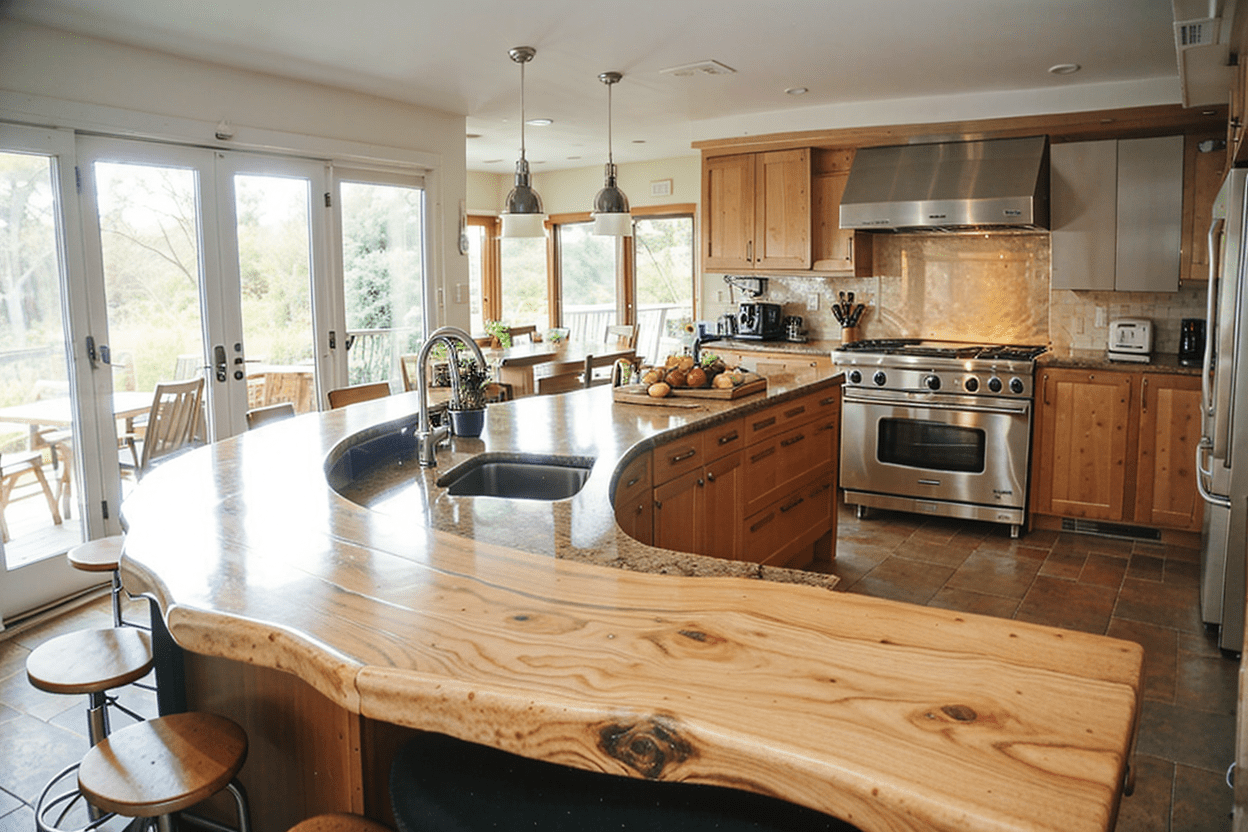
587, 280
522, 262
275, 270
664, 277
383, 266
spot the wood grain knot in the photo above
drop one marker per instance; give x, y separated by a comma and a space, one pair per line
699, 636
646, 747
962, 713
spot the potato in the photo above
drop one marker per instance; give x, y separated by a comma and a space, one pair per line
723, 381
686, 363
696, 377
659, 390
676, 378
671, 362
651, 376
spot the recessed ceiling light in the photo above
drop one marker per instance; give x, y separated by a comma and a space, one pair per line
474, 135
1064, 69
797, 91
639, 141
573, 158
539, 122
491, 161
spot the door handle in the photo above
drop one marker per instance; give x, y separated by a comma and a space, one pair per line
218, 356
1202, 448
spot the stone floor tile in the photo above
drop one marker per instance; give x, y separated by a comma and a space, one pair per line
1161, 651
1182, 571
996, 573
902, 579
1067, 604
1194, 738
1165, 604
945, 554
964, 600
1103, 570
21, 819
1148, 808
9, 802
1202, 801
1064, 565
1146, 567
1204, 643
1207, 683
39, 750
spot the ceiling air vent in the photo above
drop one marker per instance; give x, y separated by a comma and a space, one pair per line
700, 68
1203, 32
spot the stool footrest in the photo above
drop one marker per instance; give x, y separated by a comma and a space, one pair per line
48, 804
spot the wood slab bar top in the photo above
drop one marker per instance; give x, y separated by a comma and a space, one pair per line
523, 625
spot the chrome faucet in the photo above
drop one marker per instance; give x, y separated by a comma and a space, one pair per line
427, 437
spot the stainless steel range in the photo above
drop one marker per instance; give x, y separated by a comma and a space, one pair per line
936, 427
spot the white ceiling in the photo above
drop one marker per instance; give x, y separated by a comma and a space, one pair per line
452, 56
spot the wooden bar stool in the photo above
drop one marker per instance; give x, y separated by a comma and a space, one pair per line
338, 822
91, 662
102, 555
164, 765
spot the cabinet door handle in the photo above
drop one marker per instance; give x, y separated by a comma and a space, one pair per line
792, 440
828, 400
1144, 396
633, 482
765, 423
701, 482
728, 437
850, 247
682, 457
1046, 388
764, 454
640, 508
710, 476
797, 411
749, 251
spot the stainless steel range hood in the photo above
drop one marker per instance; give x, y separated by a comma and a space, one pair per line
950, 186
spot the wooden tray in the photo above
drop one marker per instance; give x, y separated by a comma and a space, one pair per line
687, 396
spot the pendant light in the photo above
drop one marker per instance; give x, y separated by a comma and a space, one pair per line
611, 215
522, 213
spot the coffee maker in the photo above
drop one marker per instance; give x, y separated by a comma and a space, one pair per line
1191, 341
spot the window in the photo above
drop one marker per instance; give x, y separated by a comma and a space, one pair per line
663, 274
525, 292
587, 281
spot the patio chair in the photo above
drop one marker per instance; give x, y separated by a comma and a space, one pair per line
14, 466
172, 425
260, 416
344, 396
623, 333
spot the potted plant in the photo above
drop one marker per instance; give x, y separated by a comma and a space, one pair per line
500, 333
467, 405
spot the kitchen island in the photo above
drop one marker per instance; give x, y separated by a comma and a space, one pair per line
329, 625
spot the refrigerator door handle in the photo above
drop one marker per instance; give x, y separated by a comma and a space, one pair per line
1211, 293
1202, 450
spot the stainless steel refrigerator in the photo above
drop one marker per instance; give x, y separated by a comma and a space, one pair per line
1222, 458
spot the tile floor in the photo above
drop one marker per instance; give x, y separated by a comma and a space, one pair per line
1143, 592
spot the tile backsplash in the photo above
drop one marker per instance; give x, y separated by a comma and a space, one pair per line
961, 287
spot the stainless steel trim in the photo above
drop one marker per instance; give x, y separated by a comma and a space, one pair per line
942, 508
1211, 293
958, 403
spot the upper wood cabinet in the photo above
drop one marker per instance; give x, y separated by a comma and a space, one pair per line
1117, 214
835, 249
756, 211
1202, 177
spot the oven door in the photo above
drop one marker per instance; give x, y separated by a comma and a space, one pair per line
961, 449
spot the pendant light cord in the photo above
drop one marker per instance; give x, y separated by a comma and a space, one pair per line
610, 152
522, 110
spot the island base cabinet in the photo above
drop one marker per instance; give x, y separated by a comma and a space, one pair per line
304, 754
785, 533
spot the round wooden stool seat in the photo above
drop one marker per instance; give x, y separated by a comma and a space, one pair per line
99, 555
162, 765
338, 822
90, 661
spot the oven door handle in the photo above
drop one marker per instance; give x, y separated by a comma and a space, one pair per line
1022, 410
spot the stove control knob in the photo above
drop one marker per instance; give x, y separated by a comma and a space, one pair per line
971, 384
994, 384
1016, 386
855, 377
932, 382
879, 378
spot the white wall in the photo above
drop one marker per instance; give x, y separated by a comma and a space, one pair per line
52, 78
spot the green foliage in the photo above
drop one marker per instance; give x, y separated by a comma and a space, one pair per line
499, 330
473, 379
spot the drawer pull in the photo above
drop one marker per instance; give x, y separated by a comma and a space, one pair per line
762, 523
797, 411
690, 454
820, 489
829, 400
793, 504
640, 509
792, 440
729, 437
710, 477
768, 452
829, 426
766, 423
633, 482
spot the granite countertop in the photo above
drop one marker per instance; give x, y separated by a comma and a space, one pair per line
1167, 363
446, 614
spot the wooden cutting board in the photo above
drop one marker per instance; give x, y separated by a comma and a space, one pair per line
687, 396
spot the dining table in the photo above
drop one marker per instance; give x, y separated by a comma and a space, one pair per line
523, 366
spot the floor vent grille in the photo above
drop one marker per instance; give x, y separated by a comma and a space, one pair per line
1110, 529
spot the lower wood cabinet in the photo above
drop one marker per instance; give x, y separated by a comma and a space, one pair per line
1117, 446
762, 488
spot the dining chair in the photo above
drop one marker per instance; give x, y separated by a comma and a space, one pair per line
259, 416
409, 370
12, 468
626, 333
588, 379
526, 332
344, 396
172, 424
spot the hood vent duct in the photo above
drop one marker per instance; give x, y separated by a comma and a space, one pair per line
951, 186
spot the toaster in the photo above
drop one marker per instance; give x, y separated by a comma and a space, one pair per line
1130, 339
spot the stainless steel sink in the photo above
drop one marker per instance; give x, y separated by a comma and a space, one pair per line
540, 478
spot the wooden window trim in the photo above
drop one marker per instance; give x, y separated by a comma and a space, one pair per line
491, 267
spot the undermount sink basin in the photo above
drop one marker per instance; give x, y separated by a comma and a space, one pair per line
545, 478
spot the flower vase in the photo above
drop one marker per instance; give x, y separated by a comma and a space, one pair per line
467, 422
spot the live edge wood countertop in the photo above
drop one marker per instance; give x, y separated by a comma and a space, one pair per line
450, 614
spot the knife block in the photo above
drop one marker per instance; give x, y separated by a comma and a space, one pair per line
849, 334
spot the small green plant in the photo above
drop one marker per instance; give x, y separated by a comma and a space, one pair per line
472, 383
499, 330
